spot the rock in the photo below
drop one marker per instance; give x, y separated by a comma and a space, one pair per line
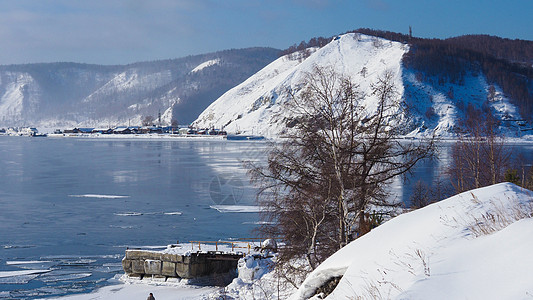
327, 287
182, 269
126, 265
153, 264
269, 244
137, 266
171, 257
198, 269
142, 255
152, 267
135, 276
168, 269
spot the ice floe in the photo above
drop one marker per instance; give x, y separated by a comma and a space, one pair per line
99, 196
4, 274
237, 208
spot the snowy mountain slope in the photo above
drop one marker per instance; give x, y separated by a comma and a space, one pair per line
256, 105
19, 95
130, 81
206, 64
440, 252
70, 94
441, 107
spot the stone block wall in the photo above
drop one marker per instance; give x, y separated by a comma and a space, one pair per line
139, 263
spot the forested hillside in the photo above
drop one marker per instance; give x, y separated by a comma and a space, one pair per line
504, 62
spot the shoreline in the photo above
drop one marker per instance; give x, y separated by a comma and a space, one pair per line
526, 140
136, 136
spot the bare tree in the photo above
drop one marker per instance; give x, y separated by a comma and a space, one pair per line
491, 93
420, 196
148, 121
364, 72
335, 163
479, 157
424, 194
528, 181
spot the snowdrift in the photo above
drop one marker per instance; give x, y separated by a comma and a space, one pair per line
475, 245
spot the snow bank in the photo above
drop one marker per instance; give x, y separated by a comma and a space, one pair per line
251, 268
256, 280
161, 290
447, 250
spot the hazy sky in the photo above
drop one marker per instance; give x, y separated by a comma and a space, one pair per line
126, 31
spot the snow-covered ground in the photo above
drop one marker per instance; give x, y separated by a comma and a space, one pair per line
475, 245
127, 290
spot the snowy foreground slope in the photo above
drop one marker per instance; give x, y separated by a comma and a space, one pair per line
448, 250
257, 105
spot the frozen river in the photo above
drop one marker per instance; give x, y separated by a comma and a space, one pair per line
70, 207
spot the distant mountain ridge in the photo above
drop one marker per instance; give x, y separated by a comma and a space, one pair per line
444, 83
72, 94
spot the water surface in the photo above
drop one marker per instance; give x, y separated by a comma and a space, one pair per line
74, 205
70, 207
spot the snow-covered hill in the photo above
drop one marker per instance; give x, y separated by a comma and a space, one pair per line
69, 94
256, 105
476, 245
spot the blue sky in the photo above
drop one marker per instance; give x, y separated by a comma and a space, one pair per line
126, 31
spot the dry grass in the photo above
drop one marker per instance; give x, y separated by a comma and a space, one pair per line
497, 216
376, 290
424, 258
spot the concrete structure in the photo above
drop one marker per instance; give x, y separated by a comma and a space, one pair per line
140, 263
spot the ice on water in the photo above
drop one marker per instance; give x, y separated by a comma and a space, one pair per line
99, 196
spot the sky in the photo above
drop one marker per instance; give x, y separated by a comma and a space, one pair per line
126, 31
